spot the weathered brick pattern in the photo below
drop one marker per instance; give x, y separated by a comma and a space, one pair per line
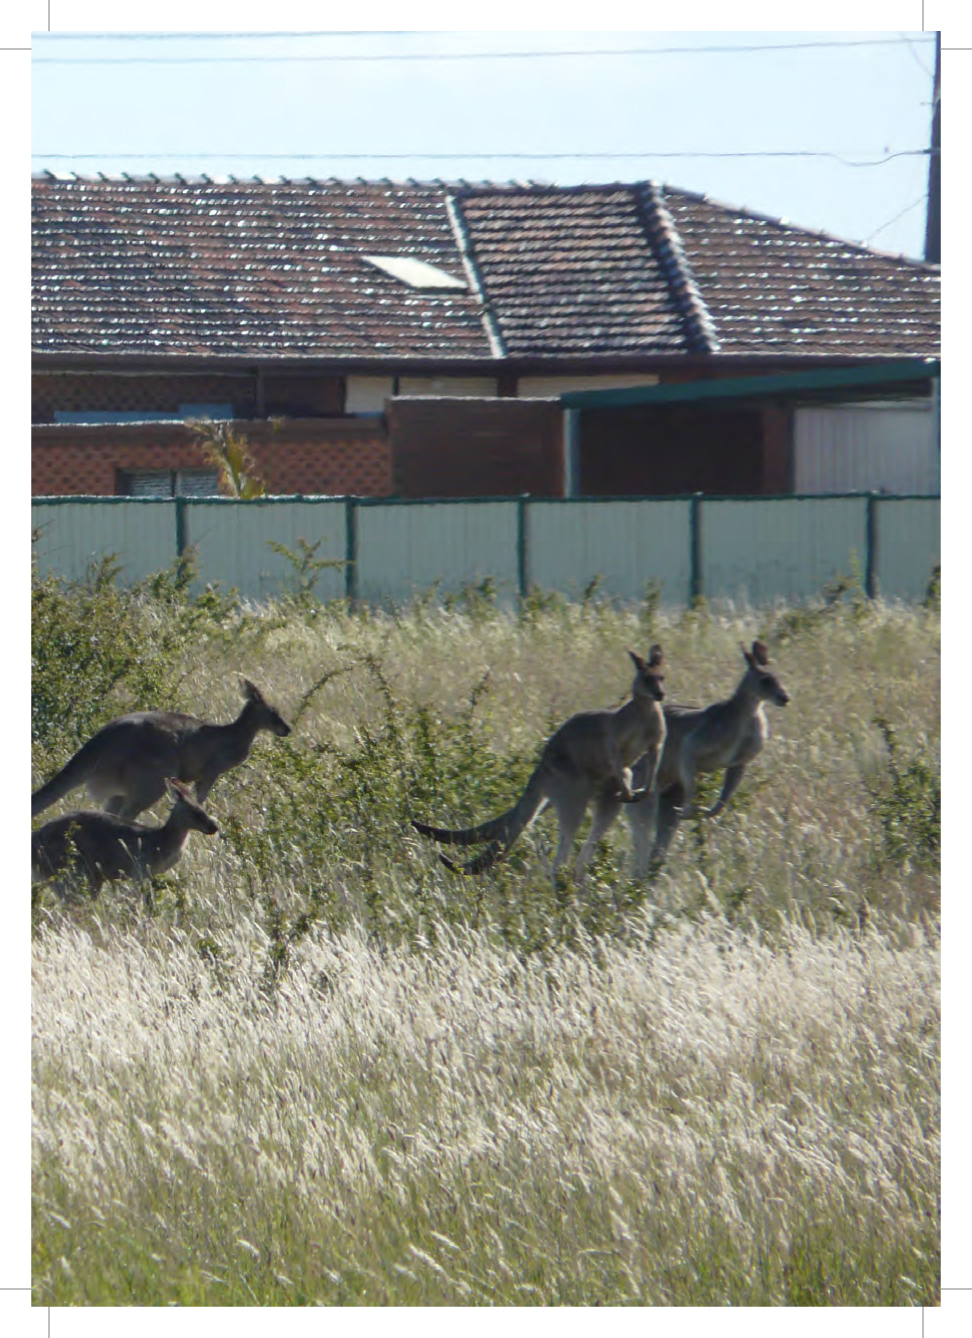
286, 394
339, 457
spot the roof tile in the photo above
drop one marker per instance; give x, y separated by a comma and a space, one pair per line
253, 268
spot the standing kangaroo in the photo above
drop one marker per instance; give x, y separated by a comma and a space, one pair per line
727, 734
128, 761
97, 848
588, 758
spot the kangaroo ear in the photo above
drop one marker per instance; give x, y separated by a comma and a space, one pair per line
655, 656
176, 788
250, 690
639, 663
760, 652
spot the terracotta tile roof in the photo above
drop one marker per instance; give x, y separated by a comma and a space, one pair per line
263, 269
245, 269
569, 271
771, 287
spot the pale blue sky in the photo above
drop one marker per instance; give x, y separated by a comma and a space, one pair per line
148, 108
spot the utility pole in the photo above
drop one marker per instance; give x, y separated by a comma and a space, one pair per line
933, 219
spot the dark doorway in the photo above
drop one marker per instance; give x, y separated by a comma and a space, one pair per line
644, 450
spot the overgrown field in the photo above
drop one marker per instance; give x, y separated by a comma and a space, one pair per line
320, 1068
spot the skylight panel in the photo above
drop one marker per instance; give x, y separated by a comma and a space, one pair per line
414, 273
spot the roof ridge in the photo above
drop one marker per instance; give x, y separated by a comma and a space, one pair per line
468, 255
665, 242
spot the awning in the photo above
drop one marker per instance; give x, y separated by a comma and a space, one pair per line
832, 383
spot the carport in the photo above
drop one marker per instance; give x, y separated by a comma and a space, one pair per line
725, 435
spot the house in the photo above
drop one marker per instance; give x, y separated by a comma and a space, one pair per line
454, 339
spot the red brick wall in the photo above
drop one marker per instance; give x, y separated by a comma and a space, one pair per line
337, 456
476, 448
288, 394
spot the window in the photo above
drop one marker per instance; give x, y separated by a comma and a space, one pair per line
169, 483
415, 273
214, 411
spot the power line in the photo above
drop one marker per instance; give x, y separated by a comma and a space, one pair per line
459, 157
345, 57
907, 210
209, 36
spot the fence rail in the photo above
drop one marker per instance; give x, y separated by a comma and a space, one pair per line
755, 549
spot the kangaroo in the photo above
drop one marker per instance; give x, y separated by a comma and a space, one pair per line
727, 734
588, 758
127, 762
96, 848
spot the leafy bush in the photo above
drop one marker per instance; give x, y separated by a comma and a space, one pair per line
99, 648
907, 802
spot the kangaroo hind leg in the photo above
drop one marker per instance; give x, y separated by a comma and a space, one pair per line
606, 809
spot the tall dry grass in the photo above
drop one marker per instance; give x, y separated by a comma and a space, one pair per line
324, 1069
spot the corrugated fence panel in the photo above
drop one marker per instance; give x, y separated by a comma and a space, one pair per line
403, 550
909, 545
863, 449
627, 544
779, 548
142, 533
233, 540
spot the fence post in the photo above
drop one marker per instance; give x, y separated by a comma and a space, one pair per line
181, 525
872, 540
695, 548
351, 550
522, 546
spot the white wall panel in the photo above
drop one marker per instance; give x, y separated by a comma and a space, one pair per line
867, 448
404, 549
779, 548
627, 544
233, 541
444, 387
549, 387
909, 545
74, 534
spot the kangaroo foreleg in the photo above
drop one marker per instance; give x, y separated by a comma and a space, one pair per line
649, 765
729, 786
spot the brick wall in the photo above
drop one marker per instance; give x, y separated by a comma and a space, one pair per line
337, 456
291, 394
476, 447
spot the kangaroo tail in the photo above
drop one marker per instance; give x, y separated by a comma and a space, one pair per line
500, 832
466, 836
493, 853
71, 775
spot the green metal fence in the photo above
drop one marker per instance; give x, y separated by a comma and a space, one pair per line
755, 549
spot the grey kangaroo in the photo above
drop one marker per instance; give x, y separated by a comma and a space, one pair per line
127, 762
727, 734
588, 758
97, 848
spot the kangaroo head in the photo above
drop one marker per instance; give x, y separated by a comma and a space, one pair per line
199, 819
649, 676
761, 678
267, 716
